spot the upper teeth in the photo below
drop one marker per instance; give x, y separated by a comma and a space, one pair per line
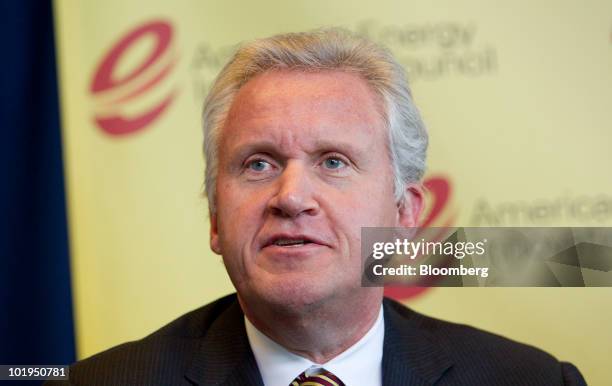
283, 242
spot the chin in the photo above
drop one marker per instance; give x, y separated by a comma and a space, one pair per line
290, 296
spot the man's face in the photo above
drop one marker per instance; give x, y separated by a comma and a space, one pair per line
303, 165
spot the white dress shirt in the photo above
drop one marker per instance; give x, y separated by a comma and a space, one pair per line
360, 364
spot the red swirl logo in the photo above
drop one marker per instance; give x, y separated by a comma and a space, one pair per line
438, 193
438, 213
130, 99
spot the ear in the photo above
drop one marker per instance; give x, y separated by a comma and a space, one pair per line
214, 234
411, 206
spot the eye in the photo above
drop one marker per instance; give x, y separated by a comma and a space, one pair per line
334, 163
258, 165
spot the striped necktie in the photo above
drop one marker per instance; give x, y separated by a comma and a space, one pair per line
323, 378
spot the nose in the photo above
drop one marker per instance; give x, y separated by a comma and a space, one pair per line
295, 194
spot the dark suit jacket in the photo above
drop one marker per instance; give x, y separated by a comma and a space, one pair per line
209, 346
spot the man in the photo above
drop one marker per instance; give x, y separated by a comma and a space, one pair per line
308, 138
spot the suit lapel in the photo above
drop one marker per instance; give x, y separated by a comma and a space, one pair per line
225, 356
410, 353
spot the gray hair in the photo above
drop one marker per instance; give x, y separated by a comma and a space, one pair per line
324, 49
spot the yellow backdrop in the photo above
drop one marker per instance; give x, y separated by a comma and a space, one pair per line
516, 97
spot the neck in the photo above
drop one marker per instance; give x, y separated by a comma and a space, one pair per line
321, 332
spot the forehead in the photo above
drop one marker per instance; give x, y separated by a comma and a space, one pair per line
289, 105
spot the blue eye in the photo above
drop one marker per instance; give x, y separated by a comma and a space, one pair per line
258, 165
333, 163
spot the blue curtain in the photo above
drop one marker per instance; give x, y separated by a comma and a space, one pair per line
36, 324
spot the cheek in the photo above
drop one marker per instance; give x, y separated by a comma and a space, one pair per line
229, 206
349, 212
381, 202
374, 205
240, 214
366, 201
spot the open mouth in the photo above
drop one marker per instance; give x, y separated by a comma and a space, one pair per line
291, 242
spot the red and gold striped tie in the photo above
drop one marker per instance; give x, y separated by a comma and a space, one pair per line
323, 378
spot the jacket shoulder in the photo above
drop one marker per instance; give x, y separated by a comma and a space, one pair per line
487, 358
159, 358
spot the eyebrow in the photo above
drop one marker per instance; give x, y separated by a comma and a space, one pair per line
343, 147
241, 151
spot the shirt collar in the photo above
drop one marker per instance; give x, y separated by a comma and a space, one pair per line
360, 364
